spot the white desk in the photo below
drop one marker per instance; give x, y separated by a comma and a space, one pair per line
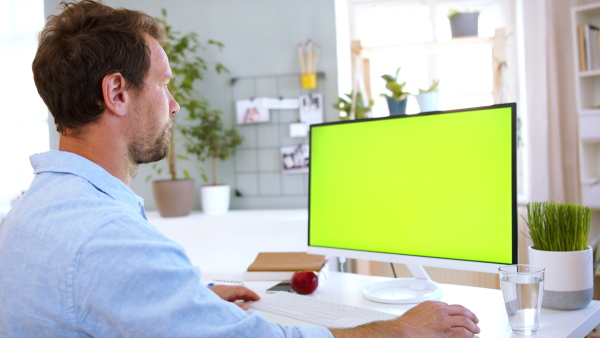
224, 246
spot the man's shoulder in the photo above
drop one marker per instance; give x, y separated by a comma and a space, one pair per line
66, 210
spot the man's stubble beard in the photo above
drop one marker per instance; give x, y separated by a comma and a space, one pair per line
140, 153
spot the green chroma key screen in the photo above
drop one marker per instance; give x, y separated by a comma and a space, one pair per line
436, 184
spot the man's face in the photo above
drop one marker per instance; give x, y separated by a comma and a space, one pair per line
153, 106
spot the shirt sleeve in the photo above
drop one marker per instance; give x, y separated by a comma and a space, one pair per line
129, 280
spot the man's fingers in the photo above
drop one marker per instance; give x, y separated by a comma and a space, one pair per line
243, 306
243, 293
459, 310
233, 293
461, 332
460, 322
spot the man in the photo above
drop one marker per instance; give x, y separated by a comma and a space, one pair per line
77, 255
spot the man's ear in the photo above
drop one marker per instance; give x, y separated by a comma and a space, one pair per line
114, 93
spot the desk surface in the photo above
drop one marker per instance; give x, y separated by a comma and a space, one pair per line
223, 247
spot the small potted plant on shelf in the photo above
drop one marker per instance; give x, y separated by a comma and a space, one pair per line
560, 235
397, 100
175, 197
207, 138
344, 105
464, 23
428, 98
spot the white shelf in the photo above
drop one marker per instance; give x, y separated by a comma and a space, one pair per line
589, 112
591, 196
590, 73
431, 45
587, 93
591, 152
589, 127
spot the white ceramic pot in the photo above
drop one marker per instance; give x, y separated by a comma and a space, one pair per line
428, 101
569, 277
215, 199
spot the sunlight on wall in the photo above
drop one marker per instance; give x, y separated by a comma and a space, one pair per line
23, 117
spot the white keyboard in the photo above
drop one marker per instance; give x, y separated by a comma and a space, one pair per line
316, 311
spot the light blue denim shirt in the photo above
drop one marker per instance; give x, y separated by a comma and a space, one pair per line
78, 258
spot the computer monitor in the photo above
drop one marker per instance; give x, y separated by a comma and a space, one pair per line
432, 189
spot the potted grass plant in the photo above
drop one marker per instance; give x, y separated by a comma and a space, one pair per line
397, 99
207, 138
428, 98
560, 236
174, 197
344, 105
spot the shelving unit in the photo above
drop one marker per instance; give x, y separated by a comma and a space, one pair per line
587, 90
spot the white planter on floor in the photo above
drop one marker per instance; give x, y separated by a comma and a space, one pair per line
568, 279
215, 199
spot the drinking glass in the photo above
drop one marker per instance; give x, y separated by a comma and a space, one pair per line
522, 288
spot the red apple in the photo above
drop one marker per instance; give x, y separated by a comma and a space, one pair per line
305, 282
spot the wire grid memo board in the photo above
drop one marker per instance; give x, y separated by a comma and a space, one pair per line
258, 160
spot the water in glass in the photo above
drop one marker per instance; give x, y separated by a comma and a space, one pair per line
523, 298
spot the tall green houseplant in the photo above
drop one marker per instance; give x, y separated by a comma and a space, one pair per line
207, 138
175, 197
188, 67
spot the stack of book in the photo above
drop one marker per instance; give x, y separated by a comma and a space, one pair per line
588, 42
282, 265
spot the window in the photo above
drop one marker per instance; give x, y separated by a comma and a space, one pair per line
416, 36
23, 121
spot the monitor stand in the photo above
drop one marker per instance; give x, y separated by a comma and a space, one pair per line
404, 290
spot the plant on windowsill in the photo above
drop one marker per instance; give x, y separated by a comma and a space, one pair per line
344, 105
464, 23
207, 138
428, 98
175, 197
560, 235
397, 100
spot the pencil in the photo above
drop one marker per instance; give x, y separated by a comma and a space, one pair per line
309, 58
301, 55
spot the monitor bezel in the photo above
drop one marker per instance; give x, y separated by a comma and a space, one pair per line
439, 262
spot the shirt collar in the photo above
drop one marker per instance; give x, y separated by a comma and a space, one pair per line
70, 163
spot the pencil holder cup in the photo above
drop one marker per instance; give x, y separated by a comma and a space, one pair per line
309, 81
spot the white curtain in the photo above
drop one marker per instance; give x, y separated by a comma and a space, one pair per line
564, 159
549, 99
23, 115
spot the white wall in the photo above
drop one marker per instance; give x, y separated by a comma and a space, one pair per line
261, 38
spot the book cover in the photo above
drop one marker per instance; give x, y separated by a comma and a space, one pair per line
581, 45
287, 261
594, 63
282, 265
267, 275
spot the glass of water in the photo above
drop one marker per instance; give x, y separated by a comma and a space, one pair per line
522, 288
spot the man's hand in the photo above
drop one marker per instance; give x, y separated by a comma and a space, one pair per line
235, 293
428, 319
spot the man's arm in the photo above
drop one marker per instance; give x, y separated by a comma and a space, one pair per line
428, 319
